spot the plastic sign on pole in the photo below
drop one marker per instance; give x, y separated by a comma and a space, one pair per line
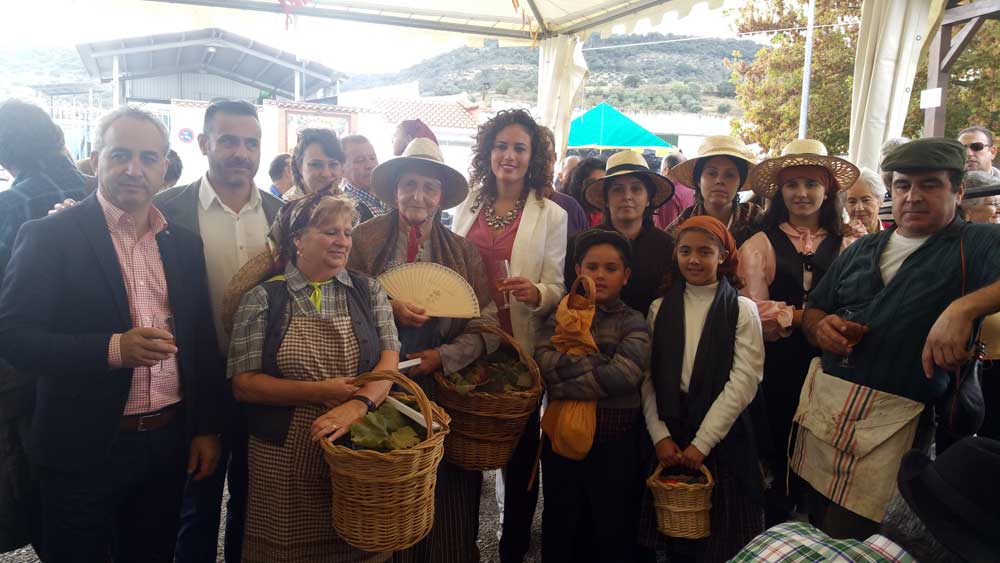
930, 98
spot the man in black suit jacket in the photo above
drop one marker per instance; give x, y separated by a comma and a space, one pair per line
72, 314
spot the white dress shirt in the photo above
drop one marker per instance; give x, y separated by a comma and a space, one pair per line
746, 374
231, 239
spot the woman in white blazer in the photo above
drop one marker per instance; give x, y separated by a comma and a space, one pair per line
508, 218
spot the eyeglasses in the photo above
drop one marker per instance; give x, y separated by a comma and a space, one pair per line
976, 147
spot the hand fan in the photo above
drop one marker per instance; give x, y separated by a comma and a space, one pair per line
443, 292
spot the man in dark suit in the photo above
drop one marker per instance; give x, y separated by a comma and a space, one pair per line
232, 217
127, 403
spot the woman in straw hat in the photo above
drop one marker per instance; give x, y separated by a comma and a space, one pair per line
803, 232
512, 223
418, 185
717, 175
317, 164
629, 194
704, 372
297, 338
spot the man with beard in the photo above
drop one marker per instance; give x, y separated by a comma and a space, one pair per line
233, 217
106, 306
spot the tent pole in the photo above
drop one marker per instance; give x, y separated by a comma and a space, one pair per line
806, 71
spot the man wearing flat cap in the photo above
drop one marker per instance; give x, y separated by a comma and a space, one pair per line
893, 317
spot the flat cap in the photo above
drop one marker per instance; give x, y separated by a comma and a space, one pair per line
930, 153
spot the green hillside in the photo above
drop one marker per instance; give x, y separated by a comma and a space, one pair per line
677, 76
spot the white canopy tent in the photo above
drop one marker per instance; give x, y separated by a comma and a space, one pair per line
892, 36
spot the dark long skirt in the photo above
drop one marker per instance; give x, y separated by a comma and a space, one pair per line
456, 520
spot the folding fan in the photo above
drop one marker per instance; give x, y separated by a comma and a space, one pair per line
443, 292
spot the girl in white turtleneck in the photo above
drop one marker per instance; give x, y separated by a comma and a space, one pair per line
707, 362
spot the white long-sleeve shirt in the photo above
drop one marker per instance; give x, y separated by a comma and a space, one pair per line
745, 376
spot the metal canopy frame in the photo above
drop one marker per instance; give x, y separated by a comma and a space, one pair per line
438, 20
947, 47
213, 51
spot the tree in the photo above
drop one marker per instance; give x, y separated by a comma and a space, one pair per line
769, 88
973, 97
631, 81
724, 108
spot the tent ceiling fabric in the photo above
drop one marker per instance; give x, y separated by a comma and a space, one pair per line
535, 19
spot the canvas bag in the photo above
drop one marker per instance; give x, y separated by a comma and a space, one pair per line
570, 425
851, 441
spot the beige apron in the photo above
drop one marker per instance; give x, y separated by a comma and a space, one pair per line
851, 441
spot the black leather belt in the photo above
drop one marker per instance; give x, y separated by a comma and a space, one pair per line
149, 421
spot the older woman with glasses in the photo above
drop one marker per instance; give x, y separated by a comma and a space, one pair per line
863, 200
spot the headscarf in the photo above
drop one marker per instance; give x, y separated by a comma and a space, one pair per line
817, 173
715, 227
415, 129
292, 219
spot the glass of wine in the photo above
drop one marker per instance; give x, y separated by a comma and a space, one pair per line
501, 268
855, 332
164, 322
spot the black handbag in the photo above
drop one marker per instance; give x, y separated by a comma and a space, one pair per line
965, 408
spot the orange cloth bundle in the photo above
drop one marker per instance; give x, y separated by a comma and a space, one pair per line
570, 425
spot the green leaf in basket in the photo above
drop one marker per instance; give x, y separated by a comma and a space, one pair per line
523, 381
465, 388
393, 418
371, 432
405, 437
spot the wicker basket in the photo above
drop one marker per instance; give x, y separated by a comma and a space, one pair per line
486, 427
682, 509
385, 501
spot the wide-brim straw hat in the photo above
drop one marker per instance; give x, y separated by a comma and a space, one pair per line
625, 163
712, 145
424, 153
257, 269
802, 152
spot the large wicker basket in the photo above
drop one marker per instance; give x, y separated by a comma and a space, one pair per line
486, 427
385, 501
682, 510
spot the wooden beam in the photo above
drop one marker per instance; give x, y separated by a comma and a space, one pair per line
979, 8
937, 78
538, 16
960, 42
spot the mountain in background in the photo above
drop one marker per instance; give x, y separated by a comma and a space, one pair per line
685, 74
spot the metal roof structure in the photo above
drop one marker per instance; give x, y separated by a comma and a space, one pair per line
528, 20
213, 51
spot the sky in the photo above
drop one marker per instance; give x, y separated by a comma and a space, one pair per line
345, 46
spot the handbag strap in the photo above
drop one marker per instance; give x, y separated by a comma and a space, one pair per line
589, 289
978, 323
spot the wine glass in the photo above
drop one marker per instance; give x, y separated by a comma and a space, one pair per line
501, 269
163, 322
855, 332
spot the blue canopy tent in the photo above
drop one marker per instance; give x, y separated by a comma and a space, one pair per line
603, 127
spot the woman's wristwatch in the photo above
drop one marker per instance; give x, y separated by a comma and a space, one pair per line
368, 402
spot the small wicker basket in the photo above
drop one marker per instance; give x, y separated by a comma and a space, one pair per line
683, 510
385, 501
486, 427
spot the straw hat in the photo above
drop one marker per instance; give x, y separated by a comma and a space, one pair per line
621, 164
713, 145
256, 270
426, 152
802, 152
